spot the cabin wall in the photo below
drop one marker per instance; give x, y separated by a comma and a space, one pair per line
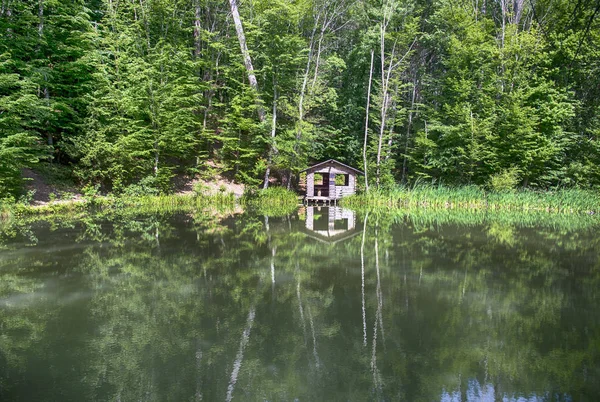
329, 173
310, 184
344, 191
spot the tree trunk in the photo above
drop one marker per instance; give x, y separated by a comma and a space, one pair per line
409, 126
272, 146
367, 122
301, 100
45, 90
41, 18
197, 29
246, 55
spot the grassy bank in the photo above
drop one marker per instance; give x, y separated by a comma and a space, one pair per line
475, 198
273, 201
142, 204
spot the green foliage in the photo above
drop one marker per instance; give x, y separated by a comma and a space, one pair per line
506, 180
122, 92
145, 187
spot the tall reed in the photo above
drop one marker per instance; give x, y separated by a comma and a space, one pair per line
274, 201
475, 198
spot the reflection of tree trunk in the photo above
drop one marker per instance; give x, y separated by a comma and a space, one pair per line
301, 311
379, 291
198, 394
273, 250
362, 276
239, 358
314, 337
246, 54
378, 321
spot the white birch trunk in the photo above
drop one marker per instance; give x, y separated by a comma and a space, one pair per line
367, 123
246, 54
272, 146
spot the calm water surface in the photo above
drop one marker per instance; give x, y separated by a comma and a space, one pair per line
307, 307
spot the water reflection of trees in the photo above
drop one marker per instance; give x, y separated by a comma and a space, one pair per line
199, 308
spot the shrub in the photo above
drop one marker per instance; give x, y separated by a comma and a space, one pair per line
200, 189
146, 186
507, 180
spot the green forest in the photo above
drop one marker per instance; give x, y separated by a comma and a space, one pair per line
452, 92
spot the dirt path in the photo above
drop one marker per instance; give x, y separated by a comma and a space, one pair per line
42, 190
44, 193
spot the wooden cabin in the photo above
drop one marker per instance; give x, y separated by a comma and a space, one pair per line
329, 181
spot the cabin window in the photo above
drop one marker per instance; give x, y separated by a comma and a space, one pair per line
319, 179
342, 180
341, 224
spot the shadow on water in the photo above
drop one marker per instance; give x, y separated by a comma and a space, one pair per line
320, 304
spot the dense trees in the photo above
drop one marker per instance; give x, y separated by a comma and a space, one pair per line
143, 90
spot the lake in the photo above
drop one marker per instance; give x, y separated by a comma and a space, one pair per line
320, 305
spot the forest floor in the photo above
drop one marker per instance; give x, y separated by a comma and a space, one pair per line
43, 191
43, 188
185, 185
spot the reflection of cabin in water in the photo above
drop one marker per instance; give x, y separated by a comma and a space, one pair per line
329, 181
330, 224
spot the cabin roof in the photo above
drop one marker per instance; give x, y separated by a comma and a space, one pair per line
332, 162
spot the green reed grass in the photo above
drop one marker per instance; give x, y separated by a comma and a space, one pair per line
274, 201
141, 204
475, 198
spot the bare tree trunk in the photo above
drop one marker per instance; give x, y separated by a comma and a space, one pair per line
385, 84
393, 116
367, 122
47, 100
272, 146
197, 55
504, 10
45, 90
197, 29
319, 45
41, 18
246, 55
301, 98
409, 126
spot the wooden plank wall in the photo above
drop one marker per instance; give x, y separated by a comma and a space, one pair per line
310, 184
329, 172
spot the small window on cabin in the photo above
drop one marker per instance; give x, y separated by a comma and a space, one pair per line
341, 224
342, 180
319, 179
302, 179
